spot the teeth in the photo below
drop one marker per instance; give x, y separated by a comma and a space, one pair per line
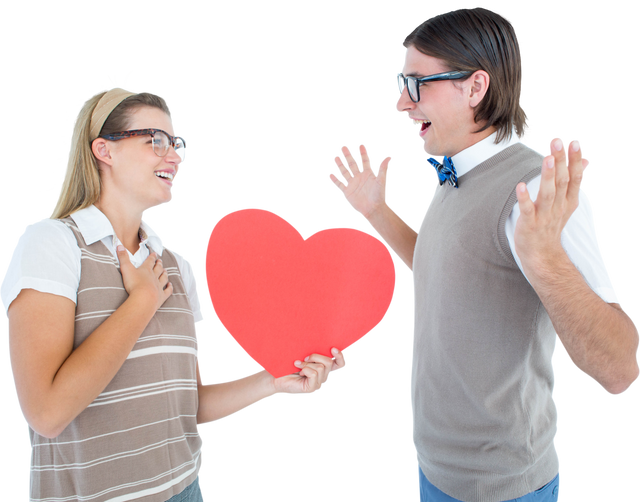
417, 123
163, 174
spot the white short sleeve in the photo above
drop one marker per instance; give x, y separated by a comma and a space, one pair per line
46, 259
578, 240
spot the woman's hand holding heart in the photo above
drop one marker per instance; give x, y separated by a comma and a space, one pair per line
315, 372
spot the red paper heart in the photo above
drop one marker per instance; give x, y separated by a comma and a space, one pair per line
283, 298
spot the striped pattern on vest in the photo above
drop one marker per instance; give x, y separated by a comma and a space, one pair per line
138, 439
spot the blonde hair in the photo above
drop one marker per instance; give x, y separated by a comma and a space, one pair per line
81, 186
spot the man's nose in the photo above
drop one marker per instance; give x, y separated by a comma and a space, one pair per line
403, 102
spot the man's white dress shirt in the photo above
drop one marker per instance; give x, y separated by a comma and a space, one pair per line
578, 237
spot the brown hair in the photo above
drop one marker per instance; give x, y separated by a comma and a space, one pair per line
478, 39
81, 186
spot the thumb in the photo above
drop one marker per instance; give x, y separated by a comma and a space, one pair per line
123, 257
385, 162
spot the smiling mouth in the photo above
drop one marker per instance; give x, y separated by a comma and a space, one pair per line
165, 175
422, 129
425, 124
168, 181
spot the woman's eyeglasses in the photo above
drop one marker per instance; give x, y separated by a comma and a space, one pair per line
160, 140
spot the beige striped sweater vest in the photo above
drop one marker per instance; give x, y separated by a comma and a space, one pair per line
138, 439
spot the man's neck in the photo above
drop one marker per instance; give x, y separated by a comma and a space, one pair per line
474, 138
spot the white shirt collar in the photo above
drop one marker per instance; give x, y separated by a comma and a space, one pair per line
483, 150
95, 226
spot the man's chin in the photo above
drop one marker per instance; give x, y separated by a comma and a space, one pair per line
423, 148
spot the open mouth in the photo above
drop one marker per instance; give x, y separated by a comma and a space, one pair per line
165, 176
168, 180
422, 128
424, 123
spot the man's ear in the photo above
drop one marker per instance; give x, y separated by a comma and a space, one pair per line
101, 150
479, 86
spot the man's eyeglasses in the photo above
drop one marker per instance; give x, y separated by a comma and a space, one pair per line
413, 83
160, 140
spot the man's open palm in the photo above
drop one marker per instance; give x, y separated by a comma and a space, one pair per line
362, 188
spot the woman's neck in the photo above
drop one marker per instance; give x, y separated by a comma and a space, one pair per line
126, 224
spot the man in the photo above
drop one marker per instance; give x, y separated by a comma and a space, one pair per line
495, 272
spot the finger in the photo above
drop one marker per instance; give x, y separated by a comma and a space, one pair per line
122, 252
576, 168
383, 169
322, 364
353, 166
338, 359
527, 208
312, 378
168, 290
336, 182
150, 261
366, 165
339, 164
562, 173
547, 193
158, 268
163, 279
315, 367
324, 361
312, 367
385, 163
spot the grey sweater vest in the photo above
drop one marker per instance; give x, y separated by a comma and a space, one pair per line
138, 440
484, 419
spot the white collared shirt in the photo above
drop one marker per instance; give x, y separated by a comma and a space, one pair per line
578, 237
47, 257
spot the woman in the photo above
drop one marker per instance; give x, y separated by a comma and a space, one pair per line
101, 321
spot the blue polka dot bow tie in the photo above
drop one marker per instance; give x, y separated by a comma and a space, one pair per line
446, 172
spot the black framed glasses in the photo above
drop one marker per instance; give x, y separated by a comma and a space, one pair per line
413, 83
160, 140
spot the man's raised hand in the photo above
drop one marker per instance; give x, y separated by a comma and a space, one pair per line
539, 227
363, 189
